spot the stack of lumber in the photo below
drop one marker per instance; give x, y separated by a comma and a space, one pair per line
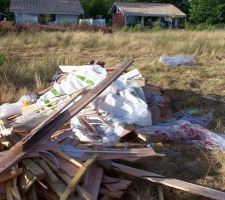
47, 163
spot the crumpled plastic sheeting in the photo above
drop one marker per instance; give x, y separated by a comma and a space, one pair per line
178, 60
184, 131
189, 115
109, 133
123, 102
8, 110
126, 107
88, 75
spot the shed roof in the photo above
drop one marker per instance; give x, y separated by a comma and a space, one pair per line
46, 6
148, 9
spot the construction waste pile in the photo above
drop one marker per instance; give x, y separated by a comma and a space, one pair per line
68, 141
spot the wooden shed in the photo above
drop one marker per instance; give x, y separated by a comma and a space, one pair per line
146, 14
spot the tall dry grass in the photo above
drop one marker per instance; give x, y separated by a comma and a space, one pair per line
32, 59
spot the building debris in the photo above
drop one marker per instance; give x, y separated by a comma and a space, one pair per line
63, 144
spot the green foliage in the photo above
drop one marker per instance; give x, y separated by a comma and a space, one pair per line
157, 26
126, 28
219, 26
136, 28
202, 26
2, 59
96, 7
189, 26
4, 8
207, 11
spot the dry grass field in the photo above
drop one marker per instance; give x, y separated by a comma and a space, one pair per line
31, 60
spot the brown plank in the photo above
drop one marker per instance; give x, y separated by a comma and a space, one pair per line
33, 168
92, 181
11, 174
174, 183
128, 154
114, 194
74, 181
50, 175
2, 190
115, 184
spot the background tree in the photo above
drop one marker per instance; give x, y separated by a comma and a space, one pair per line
4, 8
207, 11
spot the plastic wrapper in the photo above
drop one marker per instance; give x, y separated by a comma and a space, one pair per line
178, 60
184, 131
8, 110
192, 117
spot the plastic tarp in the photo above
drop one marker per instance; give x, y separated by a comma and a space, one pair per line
178, 60
184, 131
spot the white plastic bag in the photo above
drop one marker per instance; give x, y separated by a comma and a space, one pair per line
8, 110
88, 75
126, 107
178, 60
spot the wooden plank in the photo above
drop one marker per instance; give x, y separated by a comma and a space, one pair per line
33, 168
68, 167
174, 183
9, 195
50, 175
115, 184
2, 191
160, 191
15, 190
83, 193
66, 178
11, 174
92, 181
56, 120
15, 193
45, 194
114, 194
67, 158
127, 154
77, 177
31, 194
58, 187
26, 180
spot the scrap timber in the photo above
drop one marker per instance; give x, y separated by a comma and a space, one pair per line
56, 121
49, 164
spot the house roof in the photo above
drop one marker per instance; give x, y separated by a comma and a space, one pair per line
46, 6
148, 9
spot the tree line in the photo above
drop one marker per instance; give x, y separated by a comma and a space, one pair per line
198, 11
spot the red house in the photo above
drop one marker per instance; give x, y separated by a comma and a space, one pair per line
131, 14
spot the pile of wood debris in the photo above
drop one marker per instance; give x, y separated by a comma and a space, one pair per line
10, 27
47, 163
